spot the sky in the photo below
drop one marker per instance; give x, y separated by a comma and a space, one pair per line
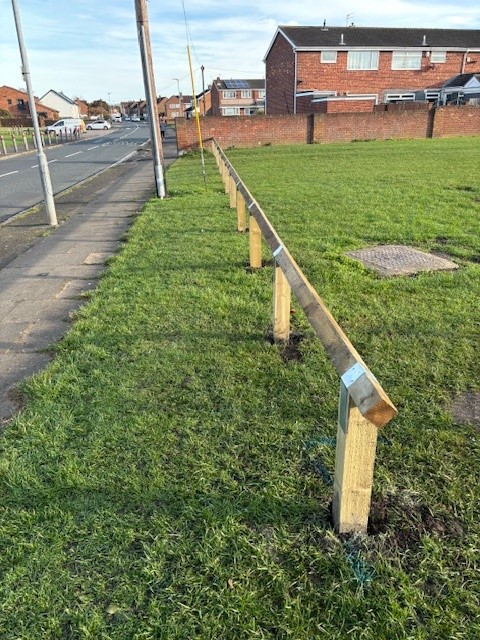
90, 49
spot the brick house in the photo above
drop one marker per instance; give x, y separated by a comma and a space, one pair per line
82, 108
328, 69
237, 97
204, 102
15, 102
161, 100
175, 107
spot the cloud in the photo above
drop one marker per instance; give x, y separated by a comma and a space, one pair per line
91, 49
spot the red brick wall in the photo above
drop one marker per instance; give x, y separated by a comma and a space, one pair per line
454, 121
395, 123
345, 127
215, 100
243, 131
280, 78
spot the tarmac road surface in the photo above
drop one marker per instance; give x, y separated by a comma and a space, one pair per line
69, 163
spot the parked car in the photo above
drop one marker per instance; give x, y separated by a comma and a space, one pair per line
135, 119
99, 124
65, 125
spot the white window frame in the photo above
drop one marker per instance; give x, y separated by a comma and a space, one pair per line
406, 60
230, 111
408, 96
261, 94
368, 63
431, 96
328, 57
246, 93
438, 57
249, 111
174, 105
229, 94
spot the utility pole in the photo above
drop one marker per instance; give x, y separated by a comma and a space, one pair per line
151, 96
203, 88
42, 159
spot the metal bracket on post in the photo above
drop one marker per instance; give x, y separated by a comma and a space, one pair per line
354, 460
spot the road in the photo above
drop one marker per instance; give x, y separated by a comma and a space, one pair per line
20, 184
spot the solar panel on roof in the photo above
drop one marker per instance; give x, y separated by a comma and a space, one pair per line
236, 84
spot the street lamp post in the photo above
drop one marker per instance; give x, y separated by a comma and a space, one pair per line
42, 159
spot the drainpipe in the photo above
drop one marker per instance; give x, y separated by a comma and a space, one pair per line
464, 61
295, 86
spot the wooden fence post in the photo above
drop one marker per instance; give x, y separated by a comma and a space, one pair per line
241, 217
233, 193
354, 461
255, 238
281, 306
225, 178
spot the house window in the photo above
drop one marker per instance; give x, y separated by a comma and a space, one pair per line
230, 111
438, 56
175, 105
406, 60
175, 114
362, 60
246, 93
228, 95
261, 94
249, 111
328, 57
9, 101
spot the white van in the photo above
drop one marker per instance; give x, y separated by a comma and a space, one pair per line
65, 125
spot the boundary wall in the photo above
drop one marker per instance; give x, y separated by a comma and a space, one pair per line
252, 131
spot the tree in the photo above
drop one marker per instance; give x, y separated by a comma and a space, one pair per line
99, 107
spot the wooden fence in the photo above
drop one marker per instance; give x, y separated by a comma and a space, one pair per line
364, 407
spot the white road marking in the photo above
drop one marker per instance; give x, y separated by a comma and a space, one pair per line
73, 154
8, 174
90, 148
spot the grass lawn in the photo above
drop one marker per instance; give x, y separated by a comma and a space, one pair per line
170, 475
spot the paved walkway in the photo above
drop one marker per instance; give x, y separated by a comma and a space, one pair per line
41, 288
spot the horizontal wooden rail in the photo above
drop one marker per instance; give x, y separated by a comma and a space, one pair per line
364, 406
368, 395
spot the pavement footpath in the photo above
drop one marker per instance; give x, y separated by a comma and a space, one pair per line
42, 286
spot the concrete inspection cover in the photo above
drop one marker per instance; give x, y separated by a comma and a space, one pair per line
466, 408
398, 260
